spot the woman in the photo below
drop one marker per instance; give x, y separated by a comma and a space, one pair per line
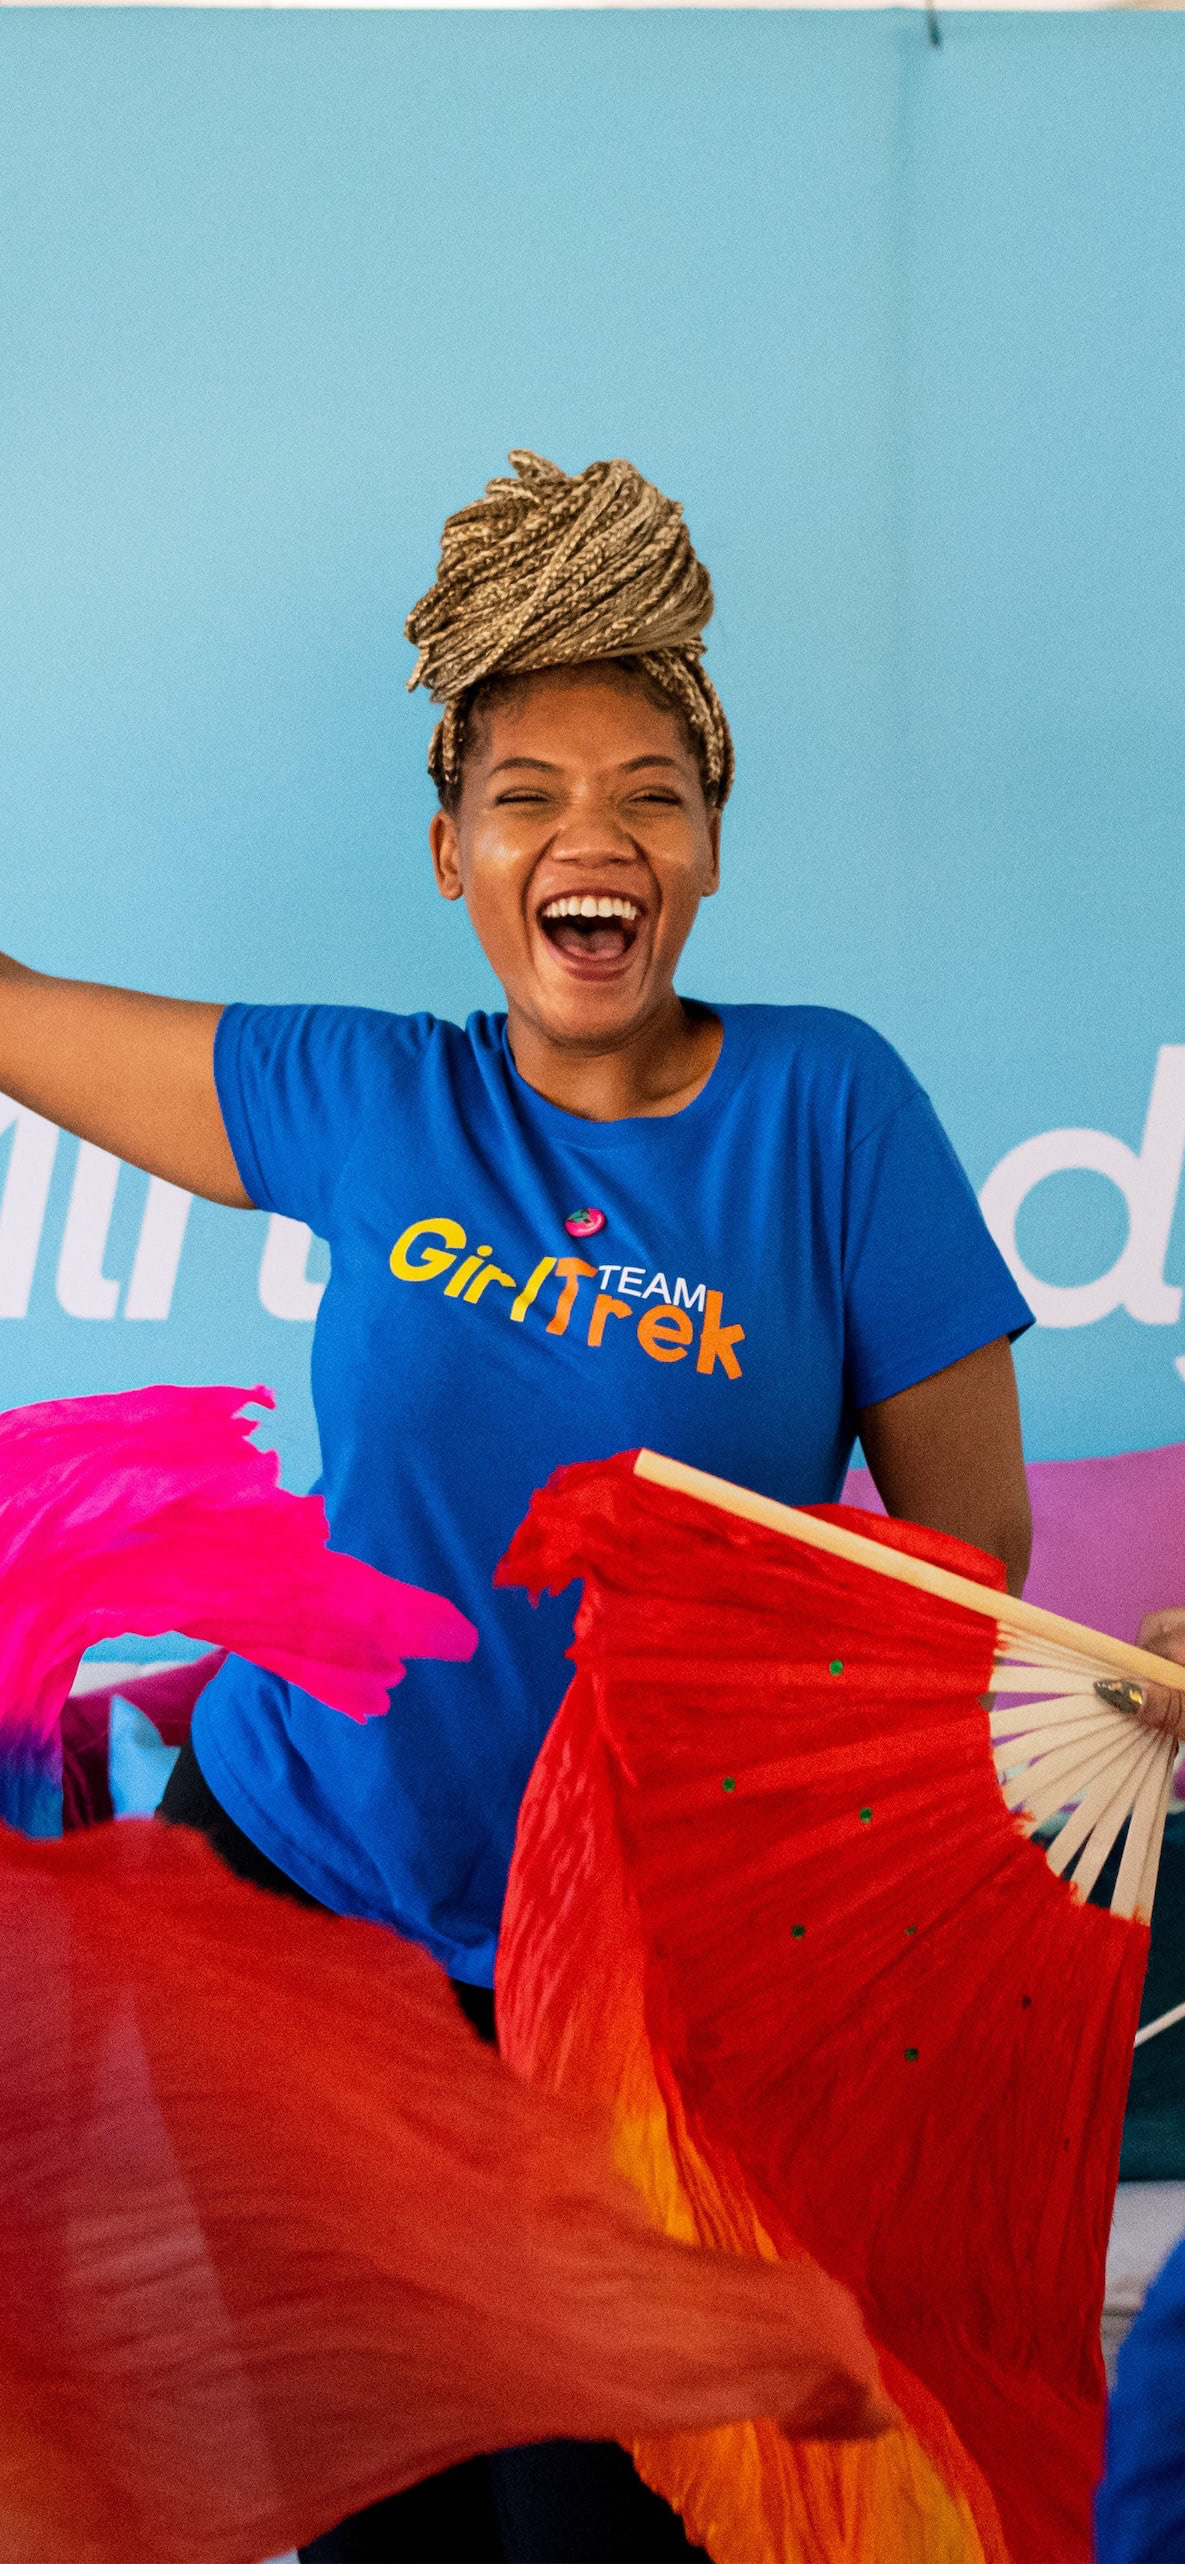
612, 1216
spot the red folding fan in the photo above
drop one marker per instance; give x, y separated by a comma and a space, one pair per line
778, 1906
278, 2236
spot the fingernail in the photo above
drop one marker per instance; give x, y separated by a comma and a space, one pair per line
1129, 1697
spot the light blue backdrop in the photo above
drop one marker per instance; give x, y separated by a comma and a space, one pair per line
904, 327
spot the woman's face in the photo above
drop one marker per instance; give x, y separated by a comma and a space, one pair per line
582, 846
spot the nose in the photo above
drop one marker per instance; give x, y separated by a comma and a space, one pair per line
595, 835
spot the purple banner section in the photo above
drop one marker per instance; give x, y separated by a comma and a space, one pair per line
1108, 1535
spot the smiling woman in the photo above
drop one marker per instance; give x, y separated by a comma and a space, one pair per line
582, 843
792, 1256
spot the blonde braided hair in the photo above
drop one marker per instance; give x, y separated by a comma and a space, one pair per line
555, 569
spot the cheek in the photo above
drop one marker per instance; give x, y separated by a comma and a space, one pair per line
494, 897
686, 881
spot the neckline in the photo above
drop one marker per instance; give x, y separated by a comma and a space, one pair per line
632, 1129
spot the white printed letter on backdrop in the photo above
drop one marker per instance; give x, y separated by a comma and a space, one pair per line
22, 1204
1148, 1183
284, 1285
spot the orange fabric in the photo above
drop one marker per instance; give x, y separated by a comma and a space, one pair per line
768, 1906
278, 2235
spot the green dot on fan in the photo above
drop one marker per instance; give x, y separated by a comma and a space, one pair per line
911, 2056
729, 1784
797, 1931
836, 1665
866, 1816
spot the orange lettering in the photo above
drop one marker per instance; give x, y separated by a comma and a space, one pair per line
665, 1334
604, 1308
572, 1269
716, 1342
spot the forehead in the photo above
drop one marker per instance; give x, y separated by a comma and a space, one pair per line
579, 717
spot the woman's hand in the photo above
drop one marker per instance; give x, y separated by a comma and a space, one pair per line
134, 1074
1155, 1704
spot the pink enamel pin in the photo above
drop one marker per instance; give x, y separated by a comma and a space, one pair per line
585, 1223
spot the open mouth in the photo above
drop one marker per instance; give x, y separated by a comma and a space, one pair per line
591, 926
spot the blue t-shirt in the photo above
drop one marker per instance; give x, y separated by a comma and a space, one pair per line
1140, 2510
796, 1243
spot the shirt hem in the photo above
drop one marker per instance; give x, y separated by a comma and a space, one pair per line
228, 1086
921, 1363
464, 1964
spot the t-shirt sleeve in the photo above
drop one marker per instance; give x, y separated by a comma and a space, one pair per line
924, 1282
291, 1082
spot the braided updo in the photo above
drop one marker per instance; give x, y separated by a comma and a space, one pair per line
555, 569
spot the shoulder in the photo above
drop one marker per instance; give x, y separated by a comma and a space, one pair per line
840, 1066
351, 1043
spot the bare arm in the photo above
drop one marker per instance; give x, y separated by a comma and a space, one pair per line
134, 1074
948, 1454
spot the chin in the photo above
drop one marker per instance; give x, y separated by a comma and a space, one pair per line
592, 1014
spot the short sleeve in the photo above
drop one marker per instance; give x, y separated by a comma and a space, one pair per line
292, 1083
924, 1282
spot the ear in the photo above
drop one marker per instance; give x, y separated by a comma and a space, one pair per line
712, 885
446, 855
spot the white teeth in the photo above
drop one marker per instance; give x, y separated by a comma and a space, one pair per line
585, 905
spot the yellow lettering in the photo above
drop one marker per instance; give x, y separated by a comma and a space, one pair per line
604, 1308
716, 1342
453, 1289
489, 1273
531, 1289
665, 1334
432, 1261
571, 1269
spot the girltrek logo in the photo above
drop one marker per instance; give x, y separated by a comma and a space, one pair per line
429, 1249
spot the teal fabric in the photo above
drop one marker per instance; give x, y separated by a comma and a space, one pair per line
138, 1761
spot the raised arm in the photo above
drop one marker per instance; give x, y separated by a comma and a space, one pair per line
948, 1454
134, 1074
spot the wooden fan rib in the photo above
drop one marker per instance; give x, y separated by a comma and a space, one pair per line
1043, 1666
1015, 1619
1143, 1834
1146, 1892
1054, 1780
1095, 1826
1060, 1731
1028, 1681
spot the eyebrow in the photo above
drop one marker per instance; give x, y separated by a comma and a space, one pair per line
543, 765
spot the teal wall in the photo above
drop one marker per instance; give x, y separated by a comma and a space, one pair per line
904, 327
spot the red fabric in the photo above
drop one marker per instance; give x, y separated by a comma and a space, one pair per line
279, 2235
878, 2022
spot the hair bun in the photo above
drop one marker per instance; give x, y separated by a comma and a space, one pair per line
554, 569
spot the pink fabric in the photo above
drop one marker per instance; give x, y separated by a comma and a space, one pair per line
154, 1511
